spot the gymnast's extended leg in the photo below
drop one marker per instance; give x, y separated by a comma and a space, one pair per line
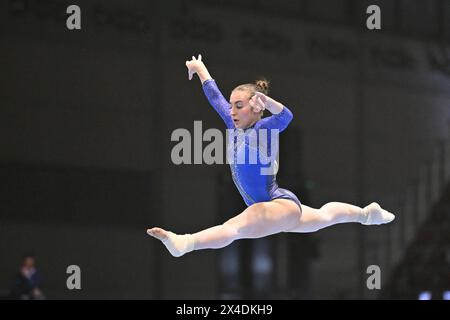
338, 212
258, 220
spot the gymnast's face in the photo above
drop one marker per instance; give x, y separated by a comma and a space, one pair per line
241, 112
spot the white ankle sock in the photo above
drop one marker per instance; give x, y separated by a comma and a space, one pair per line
179, 244
375, 215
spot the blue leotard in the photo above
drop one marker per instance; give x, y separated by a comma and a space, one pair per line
253, 185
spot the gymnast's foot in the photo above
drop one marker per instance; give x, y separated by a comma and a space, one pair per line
177, 244
375, 215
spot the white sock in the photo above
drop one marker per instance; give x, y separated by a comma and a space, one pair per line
375, 215
179, 244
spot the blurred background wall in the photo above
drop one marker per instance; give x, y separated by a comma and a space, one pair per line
86, 118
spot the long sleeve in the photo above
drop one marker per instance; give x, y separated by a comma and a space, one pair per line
217, 100
278, 121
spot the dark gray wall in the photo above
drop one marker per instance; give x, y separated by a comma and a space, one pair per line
86, 118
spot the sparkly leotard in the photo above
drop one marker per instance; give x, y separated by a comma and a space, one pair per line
256, 181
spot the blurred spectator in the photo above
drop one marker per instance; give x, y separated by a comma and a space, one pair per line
27, 282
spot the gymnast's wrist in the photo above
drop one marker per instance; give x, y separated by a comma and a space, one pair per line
273, 106
204, 76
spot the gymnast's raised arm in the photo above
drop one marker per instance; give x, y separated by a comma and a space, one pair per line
212, 92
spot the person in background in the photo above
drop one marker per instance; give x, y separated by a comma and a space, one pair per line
27, 283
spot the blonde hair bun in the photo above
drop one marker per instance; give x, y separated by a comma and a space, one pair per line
262, 85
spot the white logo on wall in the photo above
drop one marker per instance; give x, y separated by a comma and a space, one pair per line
373, 21
74, 20
74, 280
374, 280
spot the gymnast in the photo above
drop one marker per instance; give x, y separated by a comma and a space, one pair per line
270, 209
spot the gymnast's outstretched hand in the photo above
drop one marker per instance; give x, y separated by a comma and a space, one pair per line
196, 66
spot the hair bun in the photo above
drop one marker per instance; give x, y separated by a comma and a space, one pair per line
262, 85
